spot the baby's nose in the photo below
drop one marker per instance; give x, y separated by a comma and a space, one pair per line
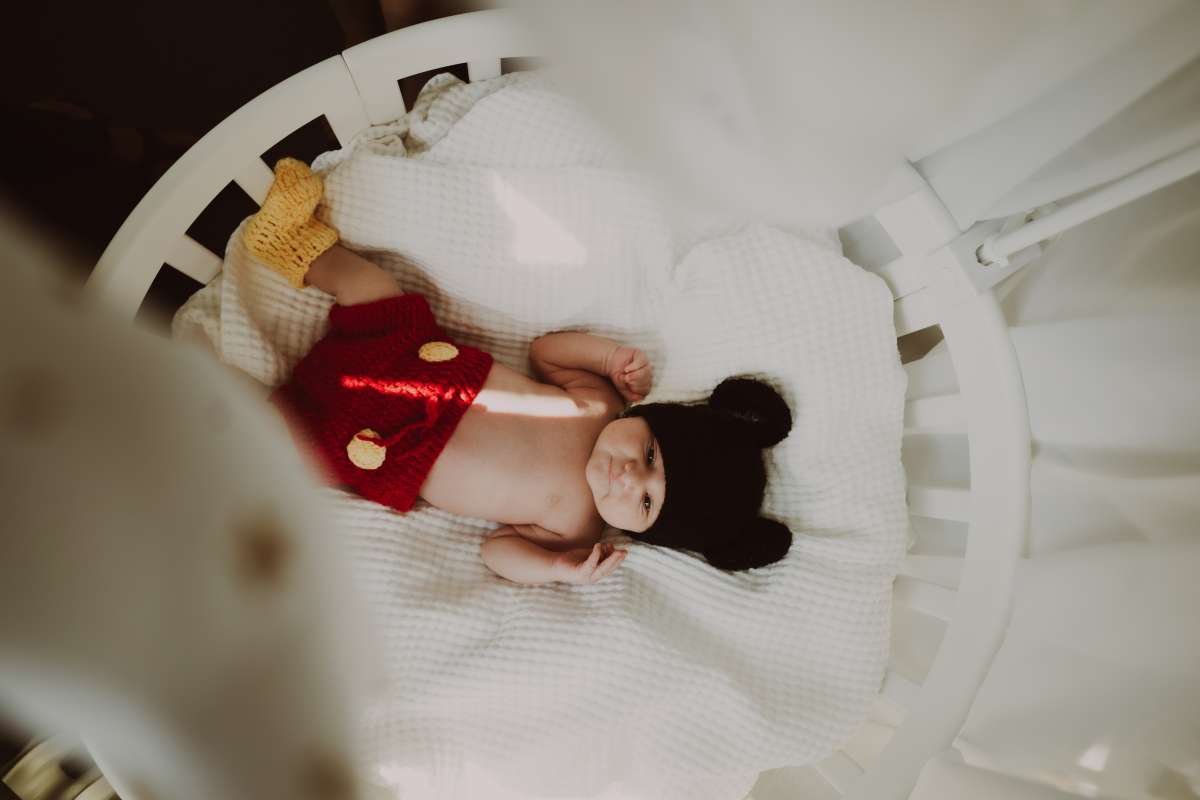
627, 476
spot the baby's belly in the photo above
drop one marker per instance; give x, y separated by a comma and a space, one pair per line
519, 451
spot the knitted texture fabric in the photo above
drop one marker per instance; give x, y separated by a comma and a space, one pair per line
284, 235
706, 677
385, 381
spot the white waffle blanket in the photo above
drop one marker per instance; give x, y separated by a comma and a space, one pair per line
669, 679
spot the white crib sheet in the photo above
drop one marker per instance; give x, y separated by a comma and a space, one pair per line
670, 678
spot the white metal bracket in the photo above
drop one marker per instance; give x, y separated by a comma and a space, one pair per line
933, 253
955, 271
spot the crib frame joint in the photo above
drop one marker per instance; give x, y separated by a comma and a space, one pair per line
962, 268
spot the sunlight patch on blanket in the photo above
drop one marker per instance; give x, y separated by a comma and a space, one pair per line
537, 237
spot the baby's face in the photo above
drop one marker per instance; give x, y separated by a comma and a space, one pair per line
627, 475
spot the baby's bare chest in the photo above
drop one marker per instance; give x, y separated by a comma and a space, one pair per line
518, 456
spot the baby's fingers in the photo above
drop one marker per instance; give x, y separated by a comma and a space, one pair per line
638, 361
581, 571
630, 395
622, 359
640, 381
609, 565
638, 372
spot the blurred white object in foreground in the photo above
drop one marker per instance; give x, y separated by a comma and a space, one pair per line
172, 589
796, 113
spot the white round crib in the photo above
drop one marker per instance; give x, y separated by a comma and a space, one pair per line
969, 527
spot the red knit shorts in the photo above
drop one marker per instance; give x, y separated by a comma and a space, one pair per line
387, 376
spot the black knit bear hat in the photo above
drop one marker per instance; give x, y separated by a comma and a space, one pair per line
715, 475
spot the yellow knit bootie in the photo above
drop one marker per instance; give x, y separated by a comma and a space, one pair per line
284, 235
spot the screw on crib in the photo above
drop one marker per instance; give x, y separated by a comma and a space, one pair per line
991, 252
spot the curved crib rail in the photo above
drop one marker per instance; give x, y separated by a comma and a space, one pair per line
156, 231
352, 91
997, 512
930, 283
360, 87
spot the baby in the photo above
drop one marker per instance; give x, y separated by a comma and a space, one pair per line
395, 411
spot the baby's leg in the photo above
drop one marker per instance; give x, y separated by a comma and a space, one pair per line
286, 237
350, 278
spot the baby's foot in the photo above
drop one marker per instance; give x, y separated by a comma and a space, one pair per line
284, 235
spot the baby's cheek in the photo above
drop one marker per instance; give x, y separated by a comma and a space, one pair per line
612, 516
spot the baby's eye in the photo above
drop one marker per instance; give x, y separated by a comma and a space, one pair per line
646, 504
650, 454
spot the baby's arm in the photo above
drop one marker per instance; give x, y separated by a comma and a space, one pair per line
574, 360
510, 554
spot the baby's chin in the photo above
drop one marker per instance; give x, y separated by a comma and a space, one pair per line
608, 521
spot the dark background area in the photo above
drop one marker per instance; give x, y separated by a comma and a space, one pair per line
98, 100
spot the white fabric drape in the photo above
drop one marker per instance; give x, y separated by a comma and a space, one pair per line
1163, 122
797, 112
1095, 689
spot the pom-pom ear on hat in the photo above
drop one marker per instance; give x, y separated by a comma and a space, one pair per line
755, 543
761, 415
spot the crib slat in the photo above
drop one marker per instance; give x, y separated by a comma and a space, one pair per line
940, 502
840, 771
944, 413
868, 742
915, 312
482, 36
255, 179
194, 259
100, 790
941, 570
902, 275
346, 123
484, 69
918, 223
932, 374
888, 713
927, 598
899, 690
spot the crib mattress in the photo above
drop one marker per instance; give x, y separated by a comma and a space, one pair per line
503, 205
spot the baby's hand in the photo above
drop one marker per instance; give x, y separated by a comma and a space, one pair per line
588, 564
631, 373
